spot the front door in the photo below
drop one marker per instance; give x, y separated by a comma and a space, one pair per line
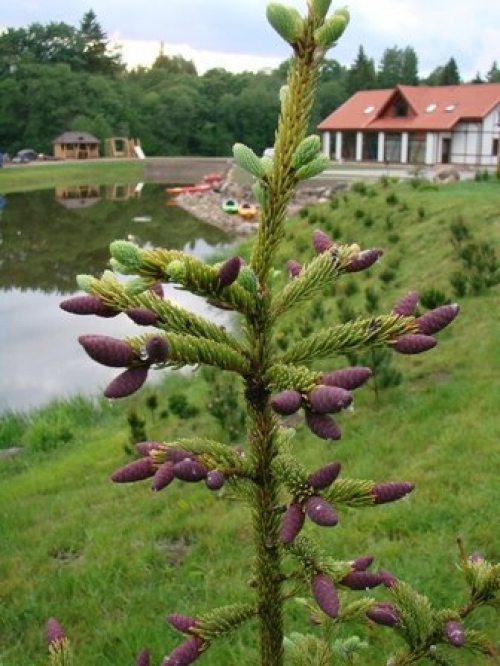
445, 151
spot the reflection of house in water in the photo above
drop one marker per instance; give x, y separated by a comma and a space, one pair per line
122, 192
78, 196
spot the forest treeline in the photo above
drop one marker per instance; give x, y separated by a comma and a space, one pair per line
57, 77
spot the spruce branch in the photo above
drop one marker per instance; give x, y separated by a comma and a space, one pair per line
282, 376
222, 621
190, 350
359, 334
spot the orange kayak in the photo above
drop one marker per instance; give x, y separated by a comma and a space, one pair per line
186, 189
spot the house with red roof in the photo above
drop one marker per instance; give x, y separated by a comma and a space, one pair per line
457, 124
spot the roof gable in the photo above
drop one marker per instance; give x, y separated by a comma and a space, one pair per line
429, 107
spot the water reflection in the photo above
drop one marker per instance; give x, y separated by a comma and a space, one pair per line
43, 245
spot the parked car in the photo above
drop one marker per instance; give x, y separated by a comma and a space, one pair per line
25, 155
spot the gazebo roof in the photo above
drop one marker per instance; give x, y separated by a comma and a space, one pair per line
76, 138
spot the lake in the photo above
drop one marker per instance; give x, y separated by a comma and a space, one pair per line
46, 239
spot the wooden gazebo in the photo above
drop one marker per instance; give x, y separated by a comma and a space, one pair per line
76, 146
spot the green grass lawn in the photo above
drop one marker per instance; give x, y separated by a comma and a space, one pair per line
39, 176
110, 561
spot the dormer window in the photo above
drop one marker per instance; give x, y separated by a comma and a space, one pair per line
400, 109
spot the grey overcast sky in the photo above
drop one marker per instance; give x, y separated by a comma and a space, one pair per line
234, 34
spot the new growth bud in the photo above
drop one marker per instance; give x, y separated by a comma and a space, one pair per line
286, 21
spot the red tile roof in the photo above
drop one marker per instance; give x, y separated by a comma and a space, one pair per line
429, 107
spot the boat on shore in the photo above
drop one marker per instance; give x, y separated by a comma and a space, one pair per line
189, 189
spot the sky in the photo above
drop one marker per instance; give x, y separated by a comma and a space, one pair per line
234, 34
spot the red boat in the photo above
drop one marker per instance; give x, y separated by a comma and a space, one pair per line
187, 189
212, 178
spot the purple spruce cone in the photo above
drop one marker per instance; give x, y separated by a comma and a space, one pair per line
177, 455
293, 267
286, 402
127, 382
157, 288
363, 260
142, 316
391, 491
138, 470
190, 470
435, 320
322, 425
324, 476
347, 378
145, 448
329, 399
185, 653
362, 580
325, 594
362, 562
108, 351
388, 578
183, 623
383, 613
406, 305
454, 633
215, 479
157, 349
229, 271
143, 658
87, 305
163, 477
320, 511
54, 631
292, 523
413, 343
321, 242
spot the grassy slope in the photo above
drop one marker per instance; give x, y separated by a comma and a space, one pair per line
110, 561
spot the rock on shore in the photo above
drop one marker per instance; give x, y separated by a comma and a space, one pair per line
207, 206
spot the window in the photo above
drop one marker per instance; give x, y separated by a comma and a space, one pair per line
494, 147
431, 108
450, 108
369, 109
400, 109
